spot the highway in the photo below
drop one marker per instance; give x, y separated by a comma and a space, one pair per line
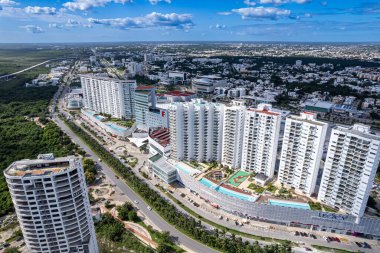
183, 240
23, 70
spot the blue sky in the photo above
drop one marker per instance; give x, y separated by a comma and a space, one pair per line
189, 20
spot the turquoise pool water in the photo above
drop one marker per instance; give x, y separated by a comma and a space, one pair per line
183, 169
115, 127
99, 117
276, 202
226, 191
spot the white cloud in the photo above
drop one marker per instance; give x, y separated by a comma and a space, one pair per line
262, 12
154, 2
72, 23
218, 27
7, 2
84, 5
278, 2
249, 3
224, 13
308, 15
154, 19
57, 26
33, 28
37, 10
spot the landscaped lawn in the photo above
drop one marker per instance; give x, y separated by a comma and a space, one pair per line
256, 188
271, 188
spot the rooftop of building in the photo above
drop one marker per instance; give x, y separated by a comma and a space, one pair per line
45, 164
361, 130
161, 163
105, 77
178, 93
268, 112
321, 104
310, 118
145, 87
161, 135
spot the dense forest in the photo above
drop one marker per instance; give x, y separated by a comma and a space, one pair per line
20, 136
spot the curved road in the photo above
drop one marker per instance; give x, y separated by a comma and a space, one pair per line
185, 241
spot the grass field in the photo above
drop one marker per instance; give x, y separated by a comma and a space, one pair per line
16, 58
238, 178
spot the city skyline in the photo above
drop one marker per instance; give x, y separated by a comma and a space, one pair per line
174, 20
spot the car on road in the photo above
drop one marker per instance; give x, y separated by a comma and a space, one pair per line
359, 244
136, 202
149, 208
366, 245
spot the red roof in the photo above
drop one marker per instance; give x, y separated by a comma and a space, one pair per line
266, 112
162, 136
178, 93
144, 87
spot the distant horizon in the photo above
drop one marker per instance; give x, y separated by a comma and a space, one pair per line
193, 41
102, 21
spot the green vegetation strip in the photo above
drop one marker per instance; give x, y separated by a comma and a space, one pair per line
169, 212
328, 249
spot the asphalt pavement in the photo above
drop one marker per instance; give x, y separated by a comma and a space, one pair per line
186, 242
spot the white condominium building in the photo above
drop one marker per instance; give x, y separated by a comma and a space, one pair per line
196, 130
51, 202
302, 150
109, 95
261, 132
233, 132
350, 168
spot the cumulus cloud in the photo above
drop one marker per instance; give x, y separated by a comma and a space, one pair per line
154, 2
249, 3
218, 27
37, 10
224, 13
308, 15
278, 2
262, 12
72, 23
33, 29
84, 5
154, 19
57, 26
7, 2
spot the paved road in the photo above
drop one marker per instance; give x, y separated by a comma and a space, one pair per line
23, 70
185, 241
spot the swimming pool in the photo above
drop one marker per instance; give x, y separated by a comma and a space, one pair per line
184, 169
115, 127
275, 202
99, 117
226, 191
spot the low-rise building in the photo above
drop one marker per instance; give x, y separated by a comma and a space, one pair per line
159, 142
162, 169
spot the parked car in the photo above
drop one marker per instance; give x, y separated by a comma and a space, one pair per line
366, 245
